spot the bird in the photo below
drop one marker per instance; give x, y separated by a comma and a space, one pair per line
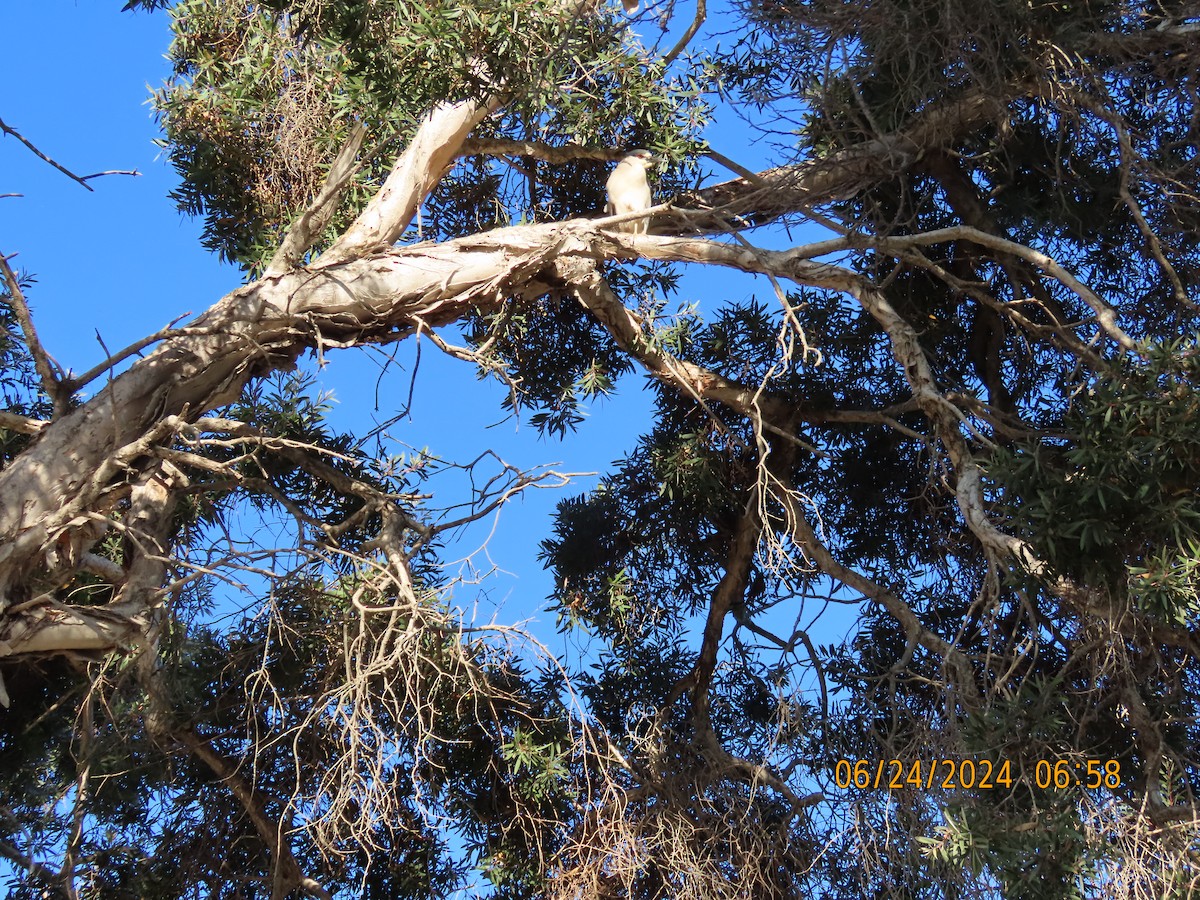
631, 6
629, 191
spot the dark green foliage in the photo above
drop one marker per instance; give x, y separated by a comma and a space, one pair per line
679, 747
263, 97
1115, 496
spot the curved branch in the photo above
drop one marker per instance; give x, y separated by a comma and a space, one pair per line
805, 536
81, 179
52, 384
422, 165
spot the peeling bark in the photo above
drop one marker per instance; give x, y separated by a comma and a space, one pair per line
76, 468
56, 498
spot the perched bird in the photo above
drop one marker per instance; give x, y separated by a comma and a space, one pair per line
628, 189
631, 6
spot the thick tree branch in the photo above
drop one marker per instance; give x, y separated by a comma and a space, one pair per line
147, 532
758, 198
730, 591
789, 189
255, 329
417, 172
44, 626
266, 325
318, 214
626, 327
21, 424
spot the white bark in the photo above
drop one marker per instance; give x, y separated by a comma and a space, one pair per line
429, 156
56, 496
73, 467
78, 465
51, 628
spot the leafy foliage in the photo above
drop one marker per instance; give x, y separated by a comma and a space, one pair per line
970, 420
263, 97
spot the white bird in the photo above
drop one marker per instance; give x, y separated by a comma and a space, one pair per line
629, 191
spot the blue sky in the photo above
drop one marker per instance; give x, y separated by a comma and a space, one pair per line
120, 259
123, 262
75, 79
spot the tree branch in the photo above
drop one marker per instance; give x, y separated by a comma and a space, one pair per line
686, 37
422, 165
266, 325
51, 383
558, 155
21, 424
81, 179
33, 867
842, 174
270, 830
317, 215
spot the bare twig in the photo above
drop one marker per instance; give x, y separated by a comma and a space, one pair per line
686, 37
81, 179
75, 382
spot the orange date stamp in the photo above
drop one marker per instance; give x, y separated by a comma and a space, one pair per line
970, 774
